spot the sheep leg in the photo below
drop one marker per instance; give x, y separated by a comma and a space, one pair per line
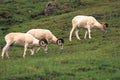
5, 50
85, 34
37, 50
7, 54
32, 51
76, 33
46, 49
25, 49
71, 33
89, 32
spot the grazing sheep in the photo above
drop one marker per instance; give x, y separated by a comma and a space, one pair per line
47, 34
87, 22
23, 39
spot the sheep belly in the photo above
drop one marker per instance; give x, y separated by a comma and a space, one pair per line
19, 43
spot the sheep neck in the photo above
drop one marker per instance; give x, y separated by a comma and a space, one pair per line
54, 39
98, 25
36, 42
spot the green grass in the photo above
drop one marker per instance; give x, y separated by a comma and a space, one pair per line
88, 59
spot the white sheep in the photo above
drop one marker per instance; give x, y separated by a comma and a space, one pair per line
87, 22
23, 39
47, 34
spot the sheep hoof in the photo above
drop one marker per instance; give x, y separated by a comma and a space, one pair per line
23, 57
90, 38
31, 54
2, 57
8, 57
46, 52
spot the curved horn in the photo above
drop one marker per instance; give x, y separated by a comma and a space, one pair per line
60, 41
43, 42
106, 24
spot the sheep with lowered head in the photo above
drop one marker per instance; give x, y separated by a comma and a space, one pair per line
87, 22
23, 39
48, 35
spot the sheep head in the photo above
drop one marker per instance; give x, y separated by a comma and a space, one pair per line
105, 25
60, 43
43, 43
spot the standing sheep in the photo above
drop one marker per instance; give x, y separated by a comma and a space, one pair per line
47, 34
23, 39
87, 22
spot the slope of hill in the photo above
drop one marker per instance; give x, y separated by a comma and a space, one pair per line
88, 59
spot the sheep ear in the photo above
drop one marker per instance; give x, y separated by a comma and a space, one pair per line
43, 42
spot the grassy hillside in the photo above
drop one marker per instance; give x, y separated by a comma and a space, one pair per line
88, 59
